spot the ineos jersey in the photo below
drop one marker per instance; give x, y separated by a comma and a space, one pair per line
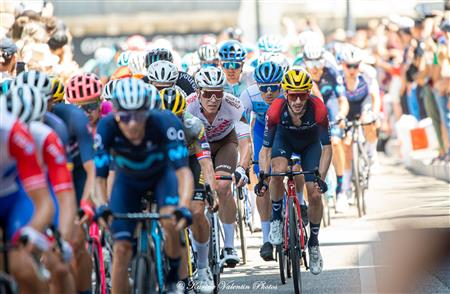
51, 156
227, 118
17, 157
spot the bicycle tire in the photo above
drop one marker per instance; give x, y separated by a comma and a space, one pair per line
214, 254
294, 248
141, 275
241, 227
357, 178
281, 263
7, 284
96, 273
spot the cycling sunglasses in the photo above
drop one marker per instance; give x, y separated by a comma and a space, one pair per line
352, 66
314, 63
90, 107
231, 65
160, 87
297, 95
218, 94
139, 116
269, 87
205, 65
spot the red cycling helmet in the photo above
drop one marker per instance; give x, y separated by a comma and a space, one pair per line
82, 89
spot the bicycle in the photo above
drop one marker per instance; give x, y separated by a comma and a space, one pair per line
7, 283
239, 196
148, 266
360, 163
293, 249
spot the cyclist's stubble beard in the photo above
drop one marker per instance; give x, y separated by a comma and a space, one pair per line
297, 106
233, 75
133, 131
210, 106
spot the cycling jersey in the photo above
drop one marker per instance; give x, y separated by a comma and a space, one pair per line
226, 120
19, 172
358, 98
52, 159
331, 84
149, 166
57, 125
245, 81
285, 138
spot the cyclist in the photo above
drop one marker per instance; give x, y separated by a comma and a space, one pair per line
28, 105
201, 166
364, 103
222, 115
297, 124
163, 74
232, 55
185, 81
136, 64
149, 154
25, 205
332, 88
85, 91
257, 99
208, 55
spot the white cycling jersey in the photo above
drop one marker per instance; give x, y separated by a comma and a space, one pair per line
227, 118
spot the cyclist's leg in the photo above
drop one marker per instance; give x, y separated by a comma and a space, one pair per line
336, 143
225, 161
262, 203
125, 198
166, 196
355, 110
21, 264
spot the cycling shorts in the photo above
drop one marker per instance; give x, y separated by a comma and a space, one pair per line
224, 153
310, 152
356, 108
127, 193
258, 135
16, 211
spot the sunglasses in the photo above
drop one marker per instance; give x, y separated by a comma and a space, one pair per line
300, 95
354, 66
205, 65
269, 87
210, 94
231, 65
314, 63
127, 116
90, 107
6, 55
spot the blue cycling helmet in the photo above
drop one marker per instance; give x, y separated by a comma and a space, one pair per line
133, 94
124, 57
268, 73
270, 43
232, 51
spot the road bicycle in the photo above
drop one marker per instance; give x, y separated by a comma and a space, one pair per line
293, 249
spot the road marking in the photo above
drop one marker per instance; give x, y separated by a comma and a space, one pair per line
366, 269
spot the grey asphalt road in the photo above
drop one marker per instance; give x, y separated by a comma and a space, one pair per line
396, 247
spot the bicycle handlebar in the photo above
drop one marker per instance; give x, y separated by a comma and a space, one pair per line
142, 216
292, 173
224, 178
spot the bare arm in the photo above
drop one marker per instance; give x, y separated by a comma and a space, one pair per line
325, 160
245, 152
67, 205
208, 172
101, 190
343, 106
43, 208
185, 186
89, 185
264, 159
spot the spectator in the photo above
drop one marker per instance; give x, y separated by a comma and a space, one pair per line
8, 57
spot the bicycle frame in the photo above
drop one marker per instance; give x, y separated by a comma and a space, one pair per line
158, 239
94, 239
291, 194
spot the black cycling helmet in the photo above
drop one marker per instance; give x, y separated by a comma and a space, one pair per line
157, 55
58, 40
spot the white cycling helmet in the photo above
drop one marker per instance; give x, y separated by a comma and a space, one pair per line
34, 78
210, 77
133, 94
313, 50
108, 89
162, 72
25, 102
309, 36
208, 53
136, 63
351, 55
104, 55
278, 58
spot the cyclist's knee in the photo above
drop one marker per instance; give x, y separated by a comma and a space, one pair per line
123, 250
21, 266
198, 210
60, 271
279, 165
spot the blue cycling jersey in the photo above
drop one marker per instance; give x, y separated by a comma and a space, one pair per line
331, 84
81, 144
163, 146
53, 121
252, 101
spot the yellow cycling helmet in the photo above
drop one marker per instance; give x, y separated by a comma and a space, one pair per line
297, 79
172, 99
57, 91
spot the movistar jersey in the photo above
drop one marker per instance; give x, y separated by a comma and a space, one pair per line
163, 145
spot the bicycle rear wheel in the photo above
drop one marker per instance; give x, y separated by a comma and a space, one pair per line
294, 247
241, 226
357, 178
281, 263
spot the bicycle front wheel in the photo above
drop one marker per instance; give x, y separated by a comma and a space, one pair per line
294, 246
141, 275
96, 277
357, 178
